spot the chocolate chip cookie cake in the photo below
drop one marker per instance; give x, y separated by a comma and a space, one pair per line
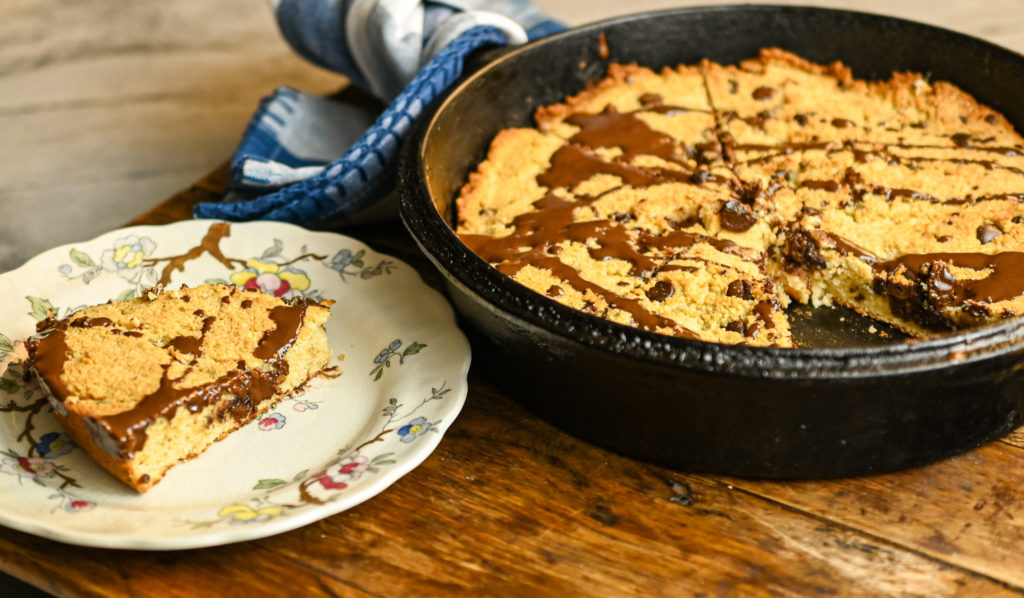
700, 201
143, 384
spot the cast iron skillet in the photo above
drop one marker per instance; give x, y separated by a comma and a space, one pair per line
845, 404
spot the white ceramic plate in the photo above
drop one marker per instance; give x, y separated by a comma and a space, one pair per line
403, 365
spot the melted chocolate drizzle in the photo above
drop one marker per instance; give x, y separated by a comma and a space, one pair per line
1002, 282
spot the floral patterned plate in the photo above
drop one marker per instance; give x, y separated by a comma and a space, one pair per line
402, 364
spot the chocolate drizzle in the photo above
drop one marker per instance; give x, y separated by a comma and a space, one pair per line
91, 323
249, 387
192, 345
845, 247
627, 132
919, 287
1003, 282
763, 312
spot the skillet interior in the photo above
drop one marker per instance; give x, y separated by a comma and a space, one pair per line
764, 412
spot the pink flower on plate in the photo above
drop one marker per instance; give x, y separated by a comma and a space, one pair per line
78, 506
273, 421
342, 471
271, 278
28, 467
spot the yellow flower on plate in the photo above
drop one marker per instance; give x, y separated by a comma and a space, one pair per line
296, 279
128, 256
239, 513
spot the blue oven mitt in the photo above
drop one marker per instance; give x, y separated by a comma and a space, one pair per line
404, 52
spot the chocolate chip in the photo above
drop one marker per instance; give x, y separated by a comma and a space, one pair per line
736, 217
763, 94
961, 140
741, 289
749, 193
661, 291
650, 99
987, 233
736, 326
701, 176
802, 250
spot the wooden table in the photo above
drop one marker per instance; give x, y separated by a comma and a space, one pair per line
510, 506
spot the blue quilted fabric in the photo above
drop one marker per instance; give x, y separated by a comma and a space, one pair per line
288, 155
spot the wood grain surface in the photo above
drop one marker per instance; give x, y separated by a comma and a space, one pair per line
507, 505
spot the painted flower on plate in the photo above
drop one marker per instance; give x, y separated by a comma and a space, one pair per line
238, 513
414, 429
127, 255
341, 260
271, 278
54, 444
342, 471
28, 467
78, 506
273, 421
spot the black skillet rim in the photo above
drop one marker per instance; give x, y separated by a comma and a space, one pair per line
439, 242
